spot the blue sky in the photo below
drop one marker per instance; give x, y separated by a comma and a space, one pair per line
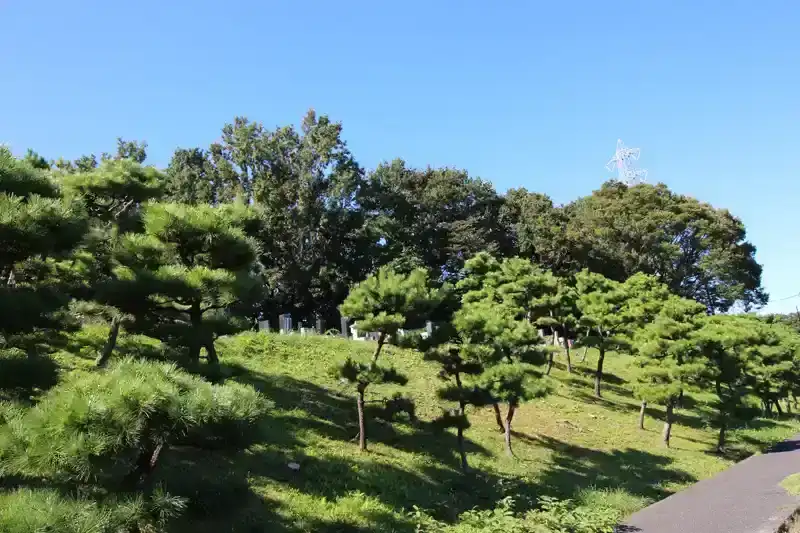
522, 93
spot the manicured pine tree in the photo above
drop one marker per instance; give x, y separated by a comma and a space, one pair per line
105, 433
727, 343
667, 357
774, 369
605, 315
113, 194
36, 225
508, 347
384, 303
193, 267
562, 316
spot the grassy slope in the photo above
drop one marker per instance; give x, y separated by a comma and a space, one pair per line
567, 445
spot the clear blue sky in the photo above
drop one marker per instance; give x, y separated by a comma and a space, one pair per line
522, 93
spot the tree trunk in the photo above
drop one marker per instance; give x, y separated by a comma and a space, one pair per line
566, 354
721, 438
680, 398
665, 435
641, 414
549, 363
462, 411
146, 464
381, 340
598, 375
778, 407
111, 342
362, 431
585, 348
211, 351
788, 406
196, 318
509, 418
498, 417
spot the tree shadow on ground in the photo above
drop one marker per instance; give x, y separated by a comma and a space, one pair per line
588, 374
24, 376
636, 472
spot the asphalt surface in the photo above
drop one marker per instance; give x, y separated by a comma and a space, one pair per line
746, 498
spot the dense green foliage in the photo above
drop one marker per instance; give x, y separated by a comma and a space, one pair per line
112, 260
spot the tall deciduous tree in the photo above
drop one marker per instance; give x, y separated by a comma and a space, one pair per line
308, 188
698, 251
436, 218
385, 303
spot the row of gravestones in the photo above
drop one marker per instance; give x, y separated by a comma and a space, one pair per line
348, 331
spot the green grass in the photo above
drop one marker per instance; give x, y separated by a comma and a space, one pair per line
791, 484
568, 445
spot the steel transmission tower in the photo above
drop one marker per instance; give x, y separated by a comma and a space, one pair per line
622, 162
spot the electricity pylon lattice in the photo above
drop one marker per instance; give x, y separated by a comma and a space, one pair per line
622, 162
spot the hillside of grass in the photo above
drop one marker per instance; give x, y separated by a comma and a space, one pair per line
306, 473
567, 445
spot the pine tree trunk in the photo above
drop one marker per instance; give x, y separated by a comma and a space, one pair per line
146, 464
381, 340
196, 318
462, 411
498, 417
462, 449
549, 363
111, 342
598, 375
211, 351
721, 437
566, 353
509, 418
585, 352
665, 435
641, 414
362, 431
585, 348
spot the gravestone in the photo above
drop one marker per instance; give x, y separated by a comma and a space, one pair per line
320, 326
285, 323
345, 327
263, 325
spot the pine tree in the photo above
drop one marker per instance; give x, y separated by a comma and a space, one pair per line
727, 343
113, 193
36, 226
384, 303
193, 271
605, 315
105, 433
562, 316
667, 357
508, 347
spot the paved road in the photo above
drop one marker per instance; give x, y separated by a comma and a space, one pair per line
745, 498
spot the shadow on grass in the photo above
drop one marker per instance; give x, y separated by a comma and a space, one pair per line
636, 472
23, 376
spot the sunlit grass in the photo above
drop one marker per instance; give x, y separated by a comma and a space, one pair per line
568, 445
